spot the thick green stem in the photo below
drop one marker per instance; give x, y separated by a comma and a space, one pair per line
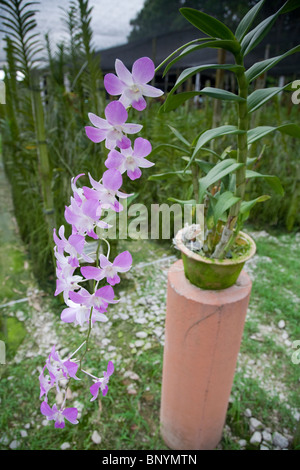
229, 234
195, 180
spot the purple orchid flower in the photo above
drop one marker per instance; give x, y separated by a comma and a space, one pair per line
122, 263
101, 383
73, 246
131, 160
99, 300
45, 384
105, 193
85, 217
59, 416
65, 281
132, 86
114, 128
59, 369
80, 314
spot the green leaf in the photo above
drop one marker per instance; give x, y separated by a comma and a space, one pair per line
246, 206
261, 67
259, 97
192, 202
228, 45
203, 164
225, 201
207, 24
254, 37
220, 170
220, 94
273, 181
248, 19
167, 175
162, 146
214, 133
258, 132
179, 50
290, 5
174, 101
187, 73
179, 136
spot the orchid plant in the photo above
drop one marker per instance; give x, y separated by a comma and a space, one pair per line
75, 263
221, 185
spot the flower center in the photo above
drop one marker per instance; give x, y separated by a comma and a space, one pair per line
135, 88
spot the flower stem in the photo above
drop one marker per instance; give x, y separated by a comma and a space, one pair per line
91, 311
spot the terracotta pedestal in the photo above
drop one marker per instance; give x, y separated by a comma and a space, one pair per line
203, 333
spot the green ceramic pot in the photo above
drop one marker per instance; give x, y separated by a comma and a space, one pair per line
213, 274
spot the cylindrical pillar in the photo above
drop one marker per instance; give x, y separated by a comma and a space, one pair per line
203, 333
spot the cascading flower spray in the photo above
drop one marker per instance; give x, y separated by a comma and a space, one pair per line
84, 215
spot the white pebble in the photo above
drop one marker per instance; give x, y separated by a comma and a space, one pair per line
14, 444
255, 424
262, 447
267, 436
65, 446
280, 441
141, 334
96, 438
256, 438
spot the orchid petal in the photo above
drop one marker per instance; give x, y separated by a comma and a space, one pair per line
98, 121
143, 70
71, 415
115, 113
123, 261
134, 174
113, 85
151, 91
141, 147
123, 73
112, 179
94, 134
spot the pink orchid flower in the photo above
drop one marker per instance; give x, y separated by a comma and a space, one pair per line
59, 369
106, 192
59, 416
132, 86
80, 314
66, 280
99, 300
122, 263
85, 217
114, 129
131, 160
101, 383
45, 384
73, 246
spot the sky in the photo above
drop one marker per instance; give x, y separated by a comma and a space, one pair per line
110, 21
